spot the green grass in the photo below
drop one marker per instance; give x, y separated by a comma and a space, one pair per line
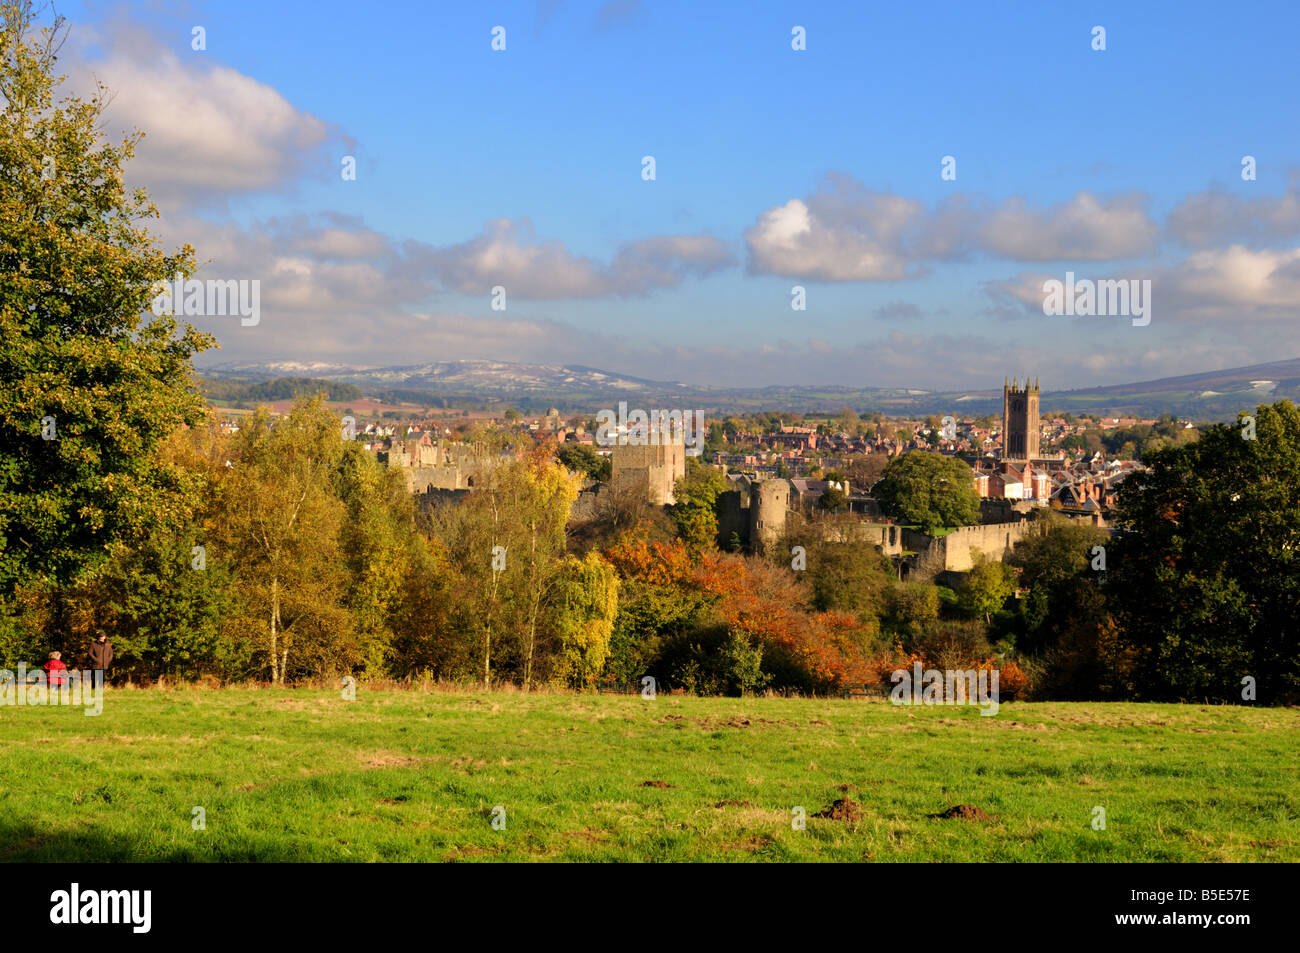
410, 775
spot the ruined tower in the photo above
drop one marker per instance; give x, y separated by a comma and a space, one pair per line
769, 501
1020, 428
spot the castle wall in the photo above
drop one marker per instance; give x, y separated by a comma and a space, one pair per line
733, 518
435, 466
587, 505
952, 553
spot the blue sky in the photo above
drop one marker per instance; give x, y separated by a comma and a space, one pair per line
774, 168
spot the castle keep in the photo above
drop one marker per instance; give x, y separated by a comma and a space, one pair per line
650, 471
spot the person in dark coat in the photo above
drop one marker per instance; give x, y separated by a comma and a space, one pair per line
101, 656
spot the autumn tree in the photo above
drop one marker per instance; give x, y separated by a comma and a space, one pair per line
379, 546
279, 529
506, 540
584, 610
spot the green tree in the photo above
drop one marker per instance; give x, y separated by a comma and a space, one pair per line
986, 589
695, 511
833, 499
848, 577
585, 459
79, 365
1207, 576
913, 607
1065, 618
929, 490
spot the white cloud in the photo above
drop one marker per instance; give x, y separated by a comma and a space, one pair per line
1236, 284
1217, 216
210, 129
846, 232
1085, 228
506, 254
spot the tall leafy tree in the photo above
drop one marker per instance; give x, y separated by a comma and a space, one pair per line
1208, 574
695, 511
986, 589
379, 545
505, 541
584, 613
280, 530
929, 490
90, 386
1065, 615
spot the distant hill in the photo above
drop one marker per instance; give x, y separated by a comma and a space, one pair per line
1210, 395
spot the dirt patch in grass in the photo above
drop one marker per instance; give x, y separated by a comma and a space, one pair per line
657, 784
475, 764
709, 724
734, 804
843, 809
587, 834
30, 844
750, 844
962, 812
388, 759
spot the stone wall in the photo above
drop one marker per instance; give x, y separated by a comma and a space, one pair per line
952, 553
733, 517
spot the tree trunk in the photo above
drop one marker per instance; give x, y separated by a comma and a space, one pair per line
277, 673
534, 598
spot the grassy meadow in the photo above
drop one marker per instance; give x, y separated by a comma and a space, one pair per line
408, 775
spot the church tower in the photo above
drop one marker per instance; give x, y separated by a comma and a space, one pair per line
1020, 428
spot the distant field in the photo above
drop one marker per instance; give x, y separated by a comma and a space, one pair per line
409, 775
364, 408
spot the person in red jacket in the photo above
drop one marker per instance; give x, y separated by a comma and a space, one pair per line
55, 670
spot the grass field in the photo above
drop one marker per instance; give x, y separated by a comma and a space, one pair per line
410, 775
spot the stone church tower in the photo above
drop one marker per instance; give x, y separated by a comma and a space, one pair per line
1020, 427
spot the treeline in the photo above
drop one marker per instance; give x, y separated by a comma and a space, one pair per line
289, 553
1134, 442
282, 388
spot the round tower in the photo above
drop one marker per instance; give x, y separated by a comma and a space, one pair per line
769, 501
